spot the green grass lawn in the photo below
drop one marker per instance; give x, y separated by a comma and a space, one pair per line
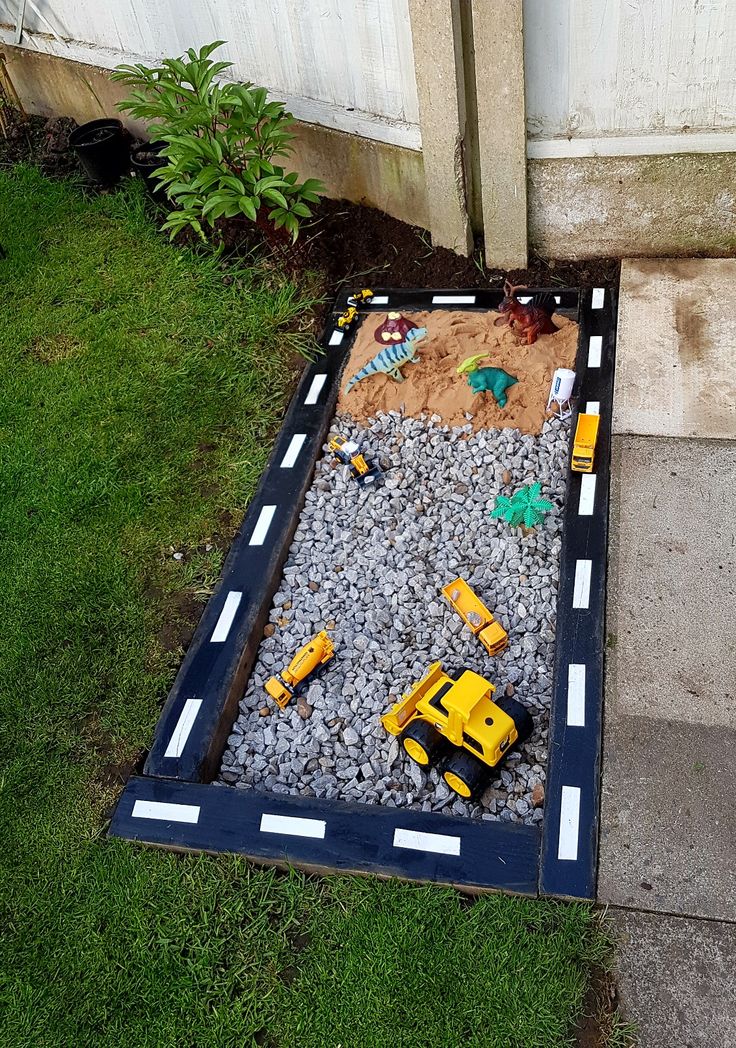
139, 393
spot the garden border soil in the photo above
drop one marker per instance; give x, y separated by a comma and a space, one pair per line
174, 804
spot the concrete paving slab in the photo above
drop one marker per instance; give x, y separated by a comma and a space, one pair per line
672, 580
676, 348
677, 980
668, 818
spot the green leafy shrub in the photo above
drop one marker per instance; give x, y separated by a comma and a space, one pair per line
221, 141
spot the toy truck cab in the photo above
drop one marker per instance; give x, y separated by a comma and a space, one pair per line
455, 724
583, 451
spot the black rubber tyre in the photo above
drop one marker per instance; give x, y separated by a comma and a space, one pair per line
422, 738
520, 715
462, 768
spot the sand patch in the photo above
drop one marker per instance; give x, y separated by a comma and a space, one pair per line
434, 387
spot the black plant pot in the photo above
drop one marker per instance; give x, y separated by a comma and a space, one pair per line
145, 159
103, 149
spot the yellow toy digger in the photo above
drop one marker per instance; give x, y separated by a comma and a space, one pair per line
308, 661
475, 614
456, 725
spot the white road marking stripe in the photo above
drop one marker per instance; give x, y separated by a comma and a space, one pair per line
225, 621
293, 826
379, 300
184, 725
599, 295
335, 337
594, 351
581, 589
587, 495
262, 525
567, 845
576, 695
446, 300
524, 300
292, 452
442, 843
593, 407
315, 389
166, 812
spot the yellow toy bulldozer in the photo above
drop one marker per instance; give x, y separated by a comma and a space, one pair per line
308, 661
476, 615
454, 724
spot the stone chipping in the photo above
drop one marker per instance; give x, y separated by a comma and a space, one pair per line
368, 565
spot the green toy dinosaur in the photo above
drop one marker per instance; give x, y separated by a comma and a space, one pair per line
492, 380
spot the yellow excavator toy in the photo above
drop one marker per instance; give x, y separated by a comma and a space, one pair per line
308, 662
455, 724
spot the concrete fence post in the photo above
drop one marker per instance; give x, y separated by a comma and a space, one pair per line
499, 76
438, 64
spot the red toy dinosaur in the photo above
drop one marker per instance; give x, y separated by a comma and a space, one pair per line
529, 320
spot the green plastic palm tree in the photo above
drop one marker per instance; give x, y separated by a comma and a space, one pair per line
525, 507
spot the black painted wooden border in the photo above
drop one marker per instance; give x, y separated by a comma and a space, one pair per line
359, 837
575, 752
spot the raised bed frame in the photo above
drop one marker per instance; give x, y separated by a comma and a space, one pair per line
175, 804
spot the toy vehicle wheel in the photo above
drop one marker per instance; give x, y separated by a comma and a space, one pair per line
465, 774
520, 715
422, 743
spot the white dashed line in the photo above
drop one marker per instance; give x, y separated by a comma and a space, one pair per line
567, 845
593, 407
379, 300
166, 812
581, 589
594, 351
262, 525
451, 300
184, 725
225, 621
525, 300
576, 695
442, 843
315, 389
587, 495
293, 826
336, 337
292, 452
599, 295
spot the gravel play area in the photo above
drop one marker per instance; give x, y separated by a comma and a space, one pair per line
368, 565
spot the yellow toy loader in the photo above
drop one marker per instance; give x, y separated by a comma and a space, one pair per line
456, 725
308, 661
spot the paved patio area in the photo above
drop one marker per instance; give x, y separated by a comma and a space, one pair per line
668, 818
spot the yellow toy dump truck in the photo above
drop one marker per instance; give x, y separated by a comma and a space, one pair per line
455, 725
308, 661
583, 450
476, 615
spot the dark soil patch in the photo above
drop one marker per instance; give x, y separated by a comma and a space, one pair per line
600, 1012
350, 244
45, 143
181, 613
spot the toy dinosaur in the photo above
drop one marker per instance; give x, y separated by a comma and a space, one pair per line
492, 380
528, 320
470, 363
391, 359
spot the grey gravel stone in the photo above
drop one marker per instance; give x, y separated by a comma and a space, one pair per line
378, 559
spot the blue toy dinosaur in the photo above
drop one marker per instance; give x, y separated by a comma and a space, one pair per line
392, 358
